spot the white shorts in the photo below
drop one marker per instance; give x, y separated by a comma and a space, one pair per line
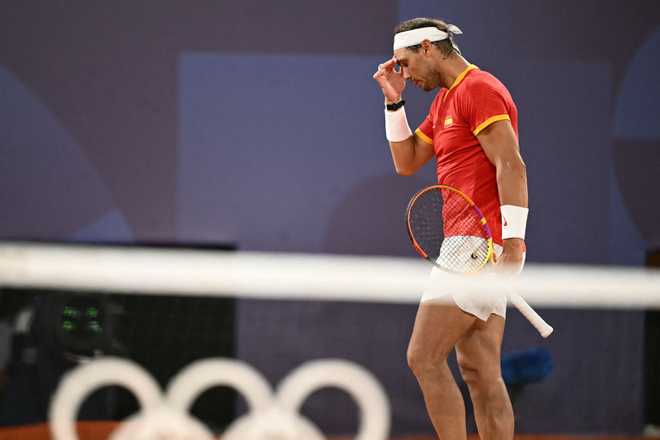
481, 304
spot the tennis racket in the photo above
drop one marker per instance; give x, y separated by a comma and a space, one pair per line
448, 229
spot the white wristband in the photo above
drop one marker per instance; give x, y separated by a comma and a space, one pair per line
514, 221
396, 125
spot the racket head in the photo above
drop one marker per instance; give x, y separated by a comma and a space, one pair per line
448, 229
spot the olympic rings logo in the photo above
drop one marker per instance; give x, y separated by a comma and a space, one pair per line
271, 415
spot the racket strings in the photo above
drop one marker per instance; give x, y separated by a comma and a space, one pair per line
449, 230
426, 221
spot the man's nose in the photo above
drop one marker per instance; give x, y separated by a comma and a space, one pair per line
406, 74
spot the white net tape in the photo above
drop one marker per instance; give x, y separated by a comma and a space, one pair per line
305, 276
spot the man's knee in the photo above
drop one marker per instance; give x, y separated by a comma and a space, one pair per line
422, 362
479, 375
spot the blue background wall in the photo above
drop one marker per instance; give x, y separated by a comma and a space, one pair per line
258, 123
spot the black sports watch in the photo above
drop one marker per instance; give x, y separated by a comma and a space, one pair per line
396, 106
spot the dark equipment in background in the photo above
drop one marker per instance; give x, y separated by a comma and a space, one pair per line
652, 354
163, 334
85, 326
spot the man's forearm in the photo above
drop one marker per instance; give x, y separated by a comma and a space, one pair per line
403, 156
512, 186
512, 183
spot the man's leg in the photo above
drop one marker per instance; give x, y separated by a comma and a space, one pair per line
478, 355
437, 329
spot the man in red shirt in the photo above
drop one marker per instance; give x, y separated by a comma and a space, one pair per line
472, 131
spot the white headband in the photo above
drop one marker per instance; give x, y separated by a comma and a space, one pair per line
416, 36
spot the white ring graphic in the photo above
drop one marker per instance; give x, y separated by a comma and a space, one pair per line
79, 383
203, 374
363, 387
270, 416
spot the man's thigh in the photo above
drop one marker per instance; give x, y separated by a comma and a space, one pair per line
438, 327
479, 350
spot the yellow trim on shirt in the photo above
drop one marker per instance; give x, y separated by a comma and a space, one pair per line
489, 121
460, 77
423, 136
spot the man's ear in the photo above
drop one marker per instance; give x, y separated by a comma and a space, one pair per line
426, 45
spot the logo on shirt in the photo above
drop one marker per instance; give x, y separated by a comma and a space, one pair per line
448, 121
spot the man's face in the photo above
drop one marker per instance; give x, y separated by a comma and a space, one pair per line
416, 66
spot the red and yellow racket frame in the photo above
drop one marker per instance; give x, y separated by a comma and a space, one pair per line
480, 215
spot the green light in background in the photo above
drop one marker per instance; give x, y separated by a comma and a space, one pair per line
70, 312
92, 312
68, 326
95, 327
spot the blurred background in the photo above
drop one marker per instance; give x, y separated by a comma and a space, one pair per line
256, 125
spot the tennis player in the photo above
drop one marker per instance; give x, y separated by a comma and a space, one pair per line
472, 132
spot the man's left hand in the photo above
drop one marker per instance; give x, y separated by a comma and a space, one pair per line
513, 256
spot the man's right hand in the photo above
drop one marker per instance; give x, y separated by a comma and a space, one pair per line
390, 80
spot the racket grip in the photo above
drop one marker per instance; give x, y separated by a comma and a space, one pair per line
528, 312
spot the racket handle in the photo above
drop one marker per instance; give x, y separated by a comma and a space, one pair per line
528, 312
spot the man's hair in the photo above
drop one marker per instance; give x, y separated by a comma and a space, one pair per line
446, 47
